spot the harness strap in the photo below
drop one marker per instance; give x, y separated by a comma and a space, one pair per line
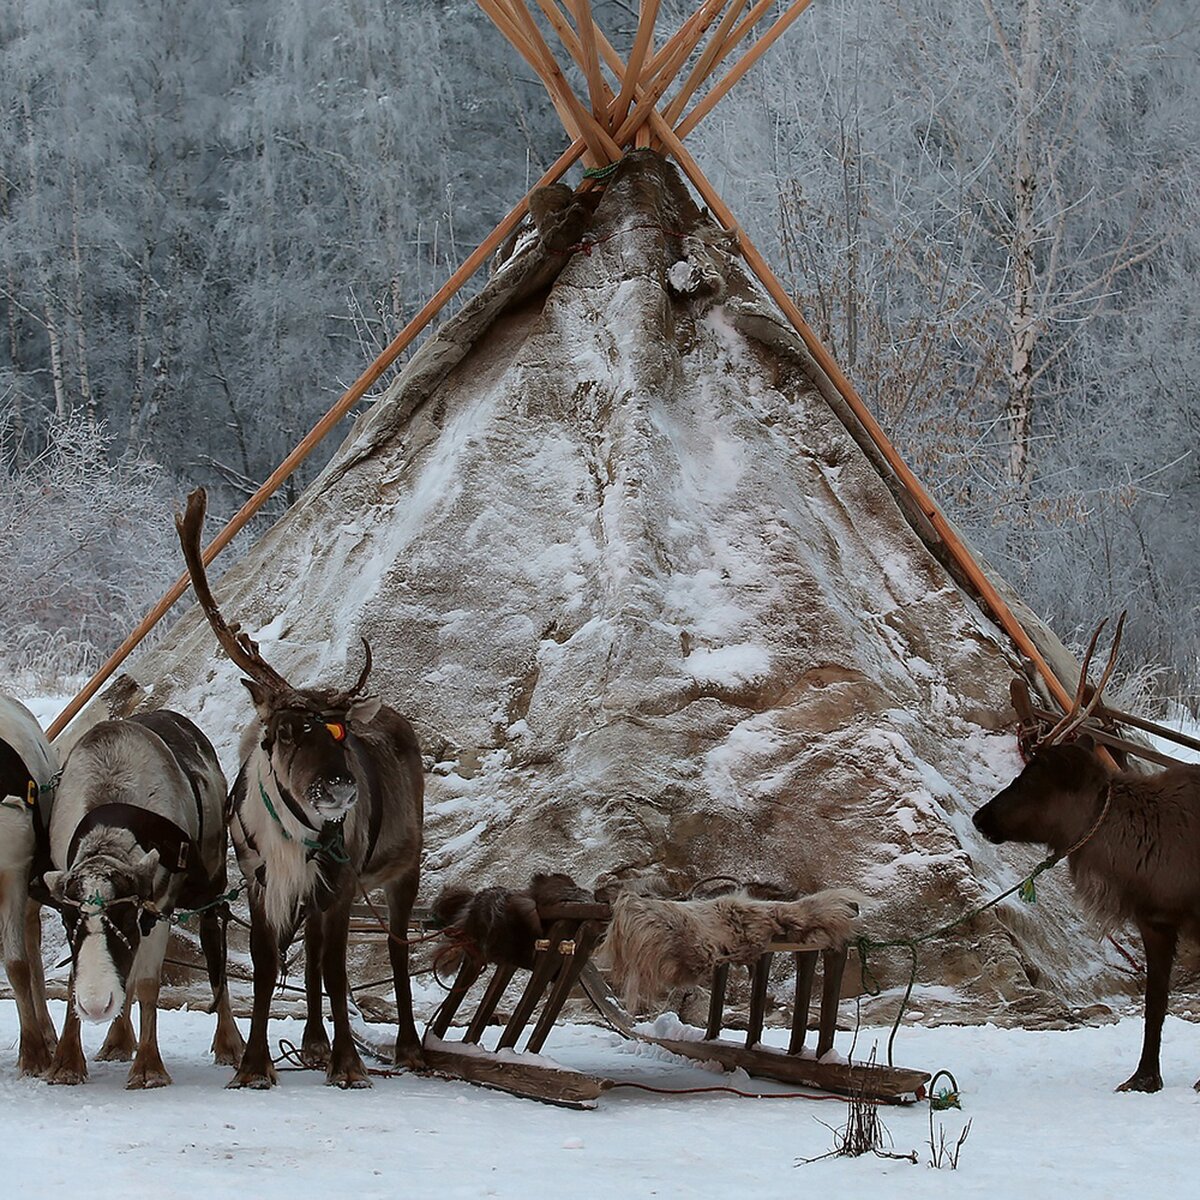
177, 852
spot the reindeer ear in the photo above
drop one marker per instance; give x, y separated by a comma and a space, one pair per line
259, 696
54, 883
364, 711
145, 867
1085, 741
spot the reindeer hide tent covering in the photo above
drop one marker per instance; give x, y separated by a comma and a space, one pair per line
655, 610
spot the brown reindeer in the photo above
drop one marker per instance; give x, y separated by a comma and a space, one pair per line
1132, 843
328, 803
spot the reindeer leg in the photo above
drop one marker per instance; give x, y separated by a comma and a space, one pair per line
119, 1042
37, 974
227, 1044
1159, 941
400, 897
345, 1069
34, 1055
314, 1047
257, 1070
69, 1065
147, 1070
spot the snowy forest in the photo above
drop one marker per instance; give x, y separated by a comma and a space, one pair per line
214, 215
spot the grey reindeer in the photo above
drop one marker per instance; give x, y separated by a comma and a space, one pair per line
1132, 843
328, 804
137, 831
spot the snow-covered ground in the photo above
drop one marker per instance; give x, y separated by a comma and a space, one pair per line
1045, 1121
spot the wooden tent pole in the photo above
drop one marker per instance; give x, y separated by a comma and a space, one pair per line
961, 555
311, 440
599, 139
591, 69
764, 43
704, 64
633, 69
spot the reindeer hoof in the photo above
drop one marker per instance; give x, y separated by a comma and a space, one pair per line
247, 1077
314, 1051
147, 1077
348, 1079
410, 1056
228, 1053
114, 1054
1142, 1081
347, 1071
33, 1060
66, 1076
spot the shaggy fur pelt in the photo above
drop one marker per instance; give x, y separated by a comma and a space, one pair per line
656, 945
498, 925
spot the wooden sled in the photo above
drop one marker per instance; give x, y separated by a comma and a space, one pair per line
562, 962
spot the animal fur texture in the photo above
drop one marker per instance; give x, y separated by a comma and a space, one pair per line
498, 925
655, 945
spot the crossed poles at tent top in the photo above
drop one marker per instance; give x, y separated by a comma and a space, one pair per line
625, 110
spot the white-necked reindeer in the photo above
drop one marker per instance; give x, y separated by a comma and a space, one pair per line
137, 829
328, 803
27, 766
1132, 843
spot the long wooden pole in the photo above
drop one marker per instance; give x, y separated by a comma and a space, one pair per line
305, 447
704, 64
641, 45
961, 555
764, 43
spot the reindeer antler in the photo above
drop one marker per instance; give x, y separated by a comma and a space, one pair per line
362, 678
240, 647
1077, 714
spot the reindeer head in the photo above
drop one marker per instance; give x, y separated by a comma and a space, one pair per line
103, 898
1059, 792
308, 733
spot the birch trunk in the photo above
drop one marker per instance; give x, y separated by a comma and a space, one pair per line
1023, 319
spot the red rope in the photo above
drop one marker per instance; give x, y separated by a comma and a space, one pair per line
660, 1091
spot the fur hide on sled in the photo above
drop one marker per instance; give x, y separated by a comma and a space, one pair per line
498, 925
654, 945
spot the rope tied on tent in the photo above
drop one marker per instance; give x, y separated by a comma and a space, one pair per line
602, 174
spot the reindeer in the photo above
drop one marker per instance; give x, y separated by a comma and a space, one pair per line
328, 803
27, 768
1132, 842
137, 829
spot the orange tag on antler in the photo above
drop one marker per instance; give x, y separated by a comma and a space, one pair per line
337, 729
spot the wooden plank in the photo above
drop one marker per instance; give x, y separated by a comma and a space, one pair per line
833, 966
1105, 738
468, 972
892, 1085
487, 1005
585, 940
530, 1081
716, 1002
546, 966
760, 975
806, 969
597, 92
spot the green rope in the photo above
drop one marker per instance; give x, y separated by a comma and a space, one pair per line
601, 173
335, 847
182, 916
865, 945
